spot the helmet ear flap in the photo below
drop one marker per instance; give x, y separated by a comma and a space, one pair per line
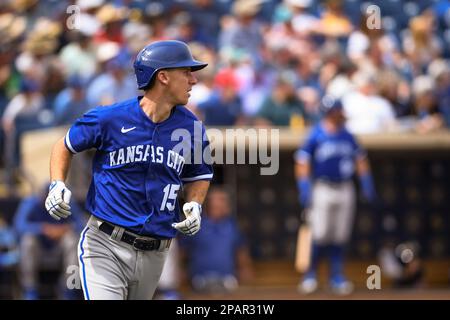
144, 76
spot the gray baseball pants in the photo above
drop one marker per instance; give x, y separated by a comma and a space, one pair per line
111, 269
332, 212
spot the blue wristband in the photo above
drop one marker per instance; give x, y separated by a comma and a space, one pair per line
304, 187
368, 187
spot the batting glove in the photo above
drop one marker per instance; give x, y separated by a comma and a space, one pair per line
58, 199
191, 225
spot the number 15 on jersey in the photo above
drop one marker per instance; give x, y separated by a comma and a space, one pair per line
170, 197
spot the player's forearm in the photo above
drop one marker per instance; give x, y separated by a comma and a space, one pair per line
302, 170
362, 167
60, 161
196, 191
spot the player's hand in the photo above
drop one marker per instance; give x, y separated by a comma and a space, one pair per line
58, 199
191, 225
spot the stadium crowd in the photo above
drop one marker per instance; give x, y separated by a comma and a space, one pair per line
271, 61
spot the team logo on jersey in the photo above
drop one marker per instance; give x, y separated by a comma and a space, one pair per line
144, 153
332, 149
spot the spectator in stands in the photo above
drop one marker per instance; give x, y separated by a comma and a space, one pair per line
331, 63
39, 47
218, 258
421, 45
244, 31
206, 16
9, 259
334, 23
54, 82
310, 98
202, 91
341, 83
394, 88
281, 107
88, 22
111, 19
371, 45
156, 16
21, 114
186, 31
307, 76
28, 8
284, 34
13, 28
78, 55
365, 110
28, 101
9, 249
223, 108
440, 71
115, 84
71, 103
303, 21
43, 241
425, 105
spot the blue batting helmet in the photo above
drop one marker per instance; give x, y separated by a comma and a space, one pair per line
328, 104
159, 55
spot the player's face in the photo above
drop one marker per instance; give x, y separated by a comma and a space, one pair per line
338, 117
218, 204
180, 84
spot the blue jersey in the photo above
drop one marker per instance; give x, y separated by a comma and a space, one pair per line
213, 250
331, 155
139, 167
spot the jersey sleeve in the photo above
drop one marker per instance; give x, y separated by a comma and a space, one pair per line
200, 166
305, 152
85, 133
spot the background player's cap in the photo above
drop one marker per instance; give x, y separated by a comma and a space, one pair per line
329, 103
159, 55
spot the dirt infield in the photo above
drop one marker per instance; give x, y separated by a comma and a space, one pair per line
277, 280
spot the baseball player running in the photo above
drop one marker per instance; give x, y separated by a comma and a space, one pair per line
138, 172
324, 168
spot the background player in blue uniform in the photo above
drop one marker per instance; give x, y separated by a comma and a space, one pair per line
218, 257
46, 242
324, 169
146, 154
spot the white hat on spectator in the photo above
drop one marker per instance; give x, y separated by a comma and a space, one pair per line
107, 50
247, 8
299, 3
88, 25
89, 4
422, 84
137, 35
438, 67
362, 78
109, 13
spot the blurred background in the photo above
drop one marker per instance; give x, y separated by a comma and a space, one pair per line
270, 63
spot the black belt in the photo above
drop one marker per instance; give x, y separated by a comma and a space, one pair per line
138, 243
